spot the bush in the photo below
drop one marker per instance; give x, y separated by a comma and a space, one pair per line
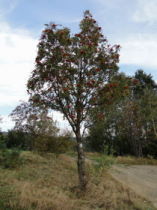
2, 141
104, 161
9, 158
60, 144
19, 139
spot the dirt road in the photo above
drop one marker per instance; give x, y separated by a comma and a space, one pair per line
140, 178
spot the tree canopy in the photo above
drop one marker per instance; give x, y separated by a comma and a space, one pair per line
70, 70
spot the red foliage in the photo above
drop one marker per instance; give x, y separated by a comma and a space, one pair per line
54, 25
135, 81
112, 85
82, 52
78, 35
68, 106
65, 89
68, 68
47, 31
97, 69
100, 116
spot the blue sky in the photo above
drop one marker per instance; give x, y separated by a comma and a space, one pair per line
132, 24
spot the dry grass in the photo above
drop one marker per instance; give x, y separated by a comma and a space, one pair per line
130, 160
49, 183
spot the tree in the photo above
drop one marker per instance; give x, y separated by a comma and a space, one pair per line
18, 139
148, 103
144, 97
1, 120
145, 82
31, 119
2, 139
106, 122
128, 122
68, 73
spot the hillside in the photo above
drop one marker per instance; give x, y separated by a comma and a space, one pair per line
49, 183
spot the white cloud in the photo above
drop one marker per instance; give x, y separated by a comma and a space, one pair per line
17, 54
6, 123
139, 50
146, 11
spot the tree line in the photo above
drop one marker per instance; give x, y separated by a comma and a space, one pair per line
127, 123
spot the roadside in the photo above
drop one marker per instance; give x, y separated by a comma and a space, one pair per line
140, 178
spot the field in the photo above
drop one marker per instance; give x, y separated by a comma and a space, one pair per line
49, 182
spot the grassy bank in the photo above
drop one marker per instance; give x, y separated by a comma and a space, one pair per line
49, 183
105, 160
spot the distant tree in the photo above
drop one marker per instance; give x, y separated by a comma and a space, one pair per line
1, 121
144, 98
2, 138
148, 102
105, 119
18, 139
69, 72
128, 122
145, 82
29, 118
31, 122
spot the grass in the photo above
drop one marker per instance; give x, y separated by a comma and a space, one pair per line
49, 183
130, 160
105, 160
101, 160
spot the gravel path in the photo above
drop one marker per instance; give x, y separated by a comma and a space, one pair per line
140, 178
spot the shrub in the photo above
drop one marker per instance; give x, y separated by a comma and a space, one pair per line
2, 141
9, 158
19, 139
60, 144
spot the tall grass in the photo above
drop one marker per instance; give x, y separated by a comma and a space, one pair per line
130, 160
49, 183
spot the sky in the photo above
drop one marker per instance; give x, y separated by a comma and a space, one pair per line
132, 24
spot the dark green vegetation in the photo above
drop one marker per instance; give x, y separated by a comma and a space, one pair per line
16, 140
127, 123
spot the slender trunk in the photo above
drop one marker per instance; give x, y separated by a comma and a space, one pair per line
154, 128
140, 149
81, 163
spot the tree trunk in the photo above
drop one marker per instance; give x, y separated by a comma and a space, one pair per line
81, 163
155, 132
